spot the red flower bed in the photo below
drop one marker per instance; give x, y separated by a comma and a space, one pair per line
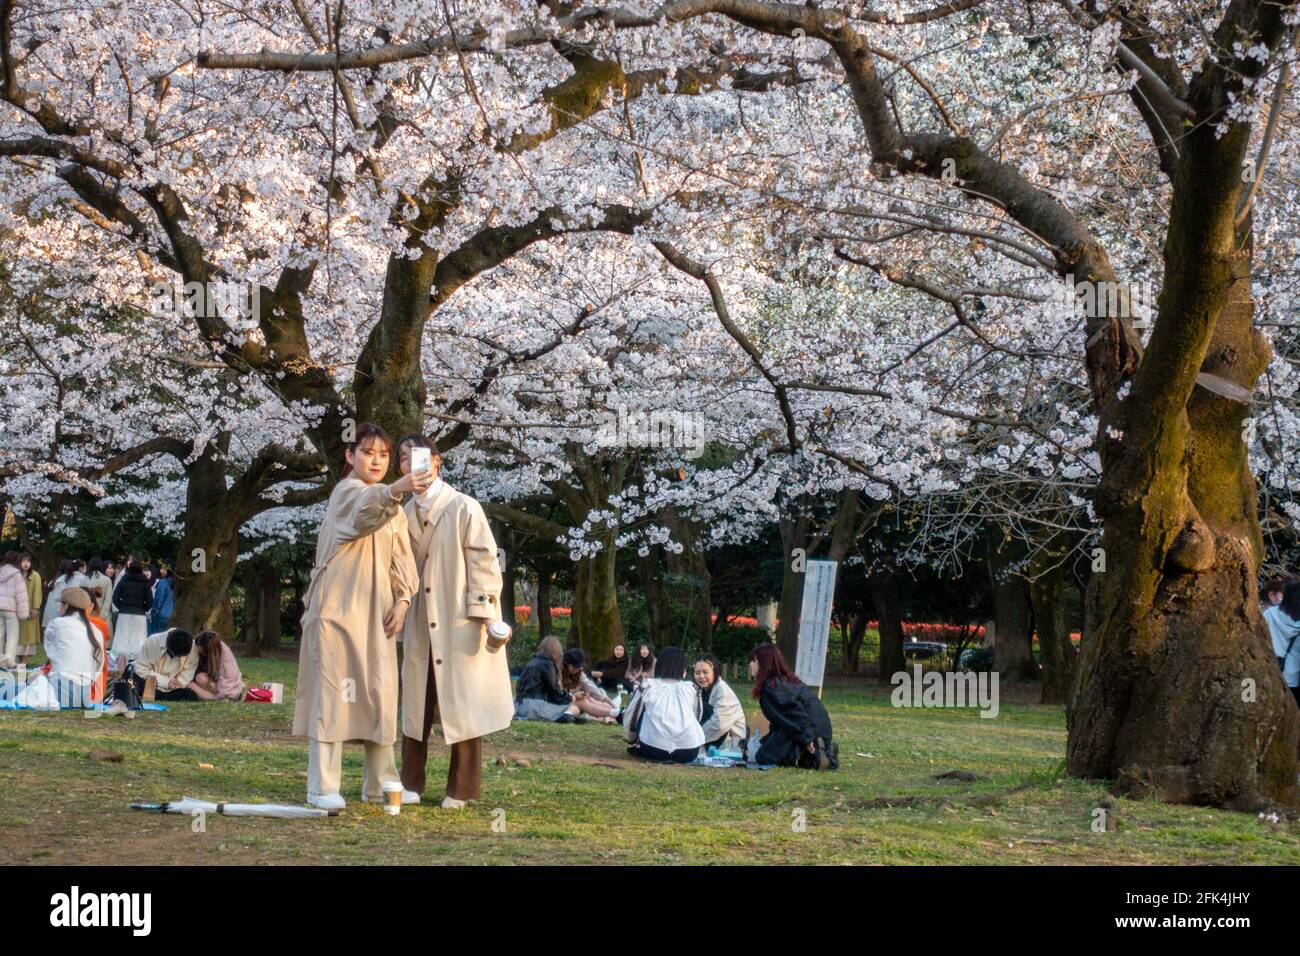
737, 621
525, 611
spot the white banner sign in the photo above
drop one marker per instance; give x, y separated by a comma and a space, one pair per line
815, 622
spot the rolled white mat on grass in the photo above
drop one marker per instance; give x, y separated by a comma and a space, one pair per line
192, 805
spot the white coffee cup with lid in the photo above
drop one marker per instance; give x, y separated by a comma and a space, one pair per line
498, 635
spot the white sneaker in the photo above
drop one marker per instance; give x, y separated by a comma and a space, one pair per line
326, 801
408, 797
451, 803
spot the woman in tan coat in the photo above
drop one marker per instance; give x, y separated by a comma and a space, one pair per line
448, 671
360, 591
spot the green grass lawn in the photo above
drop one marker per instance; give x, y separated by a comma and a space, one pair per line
581, 799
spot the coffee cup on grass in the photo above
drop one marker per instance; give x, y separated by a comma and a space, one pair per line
392, 797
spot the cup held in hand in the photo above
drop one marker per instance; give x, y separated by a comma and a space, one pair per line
498, 635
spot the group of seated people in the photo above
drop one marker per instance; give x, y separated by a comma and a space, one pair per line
179, 666
672, 718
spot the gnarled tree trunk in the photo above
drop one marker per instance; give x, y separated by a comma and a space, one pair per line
1179, 693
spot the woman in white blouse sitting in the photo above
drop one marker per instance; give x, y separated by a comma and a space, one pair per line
663, 719
76, 651
723, 722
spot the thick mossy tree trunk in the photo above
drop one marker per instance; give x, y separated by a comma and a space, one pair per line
1179, 693
595, 603
209, 548
390, 387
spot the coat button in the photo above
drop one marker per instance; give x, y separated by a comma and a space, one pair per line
428, 590
438, 661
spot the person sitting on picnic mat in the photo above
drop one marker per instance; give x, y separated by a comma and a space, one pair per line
663, 719
723, 720
610, 673
799, 734
584, 691
75, 648
538, 694
218, 676
170, 658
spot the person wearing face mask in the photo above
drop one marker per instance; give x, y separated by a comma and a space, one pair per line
723, 720
356, 602
449, 672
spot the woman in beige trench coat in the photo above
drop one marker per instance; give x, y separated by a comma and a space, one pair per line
360, 590
448, 671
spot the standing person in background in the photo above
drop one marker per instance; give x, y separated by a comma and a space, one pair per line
13, 607
642, 666
132, 598
79, 577
357, 601
113, 571
160, 614
62, 579
723, 720
217, 676
448, 671
29, 629
98, 579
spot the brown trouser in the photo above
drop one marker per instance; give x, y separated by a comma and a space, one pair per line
464, 778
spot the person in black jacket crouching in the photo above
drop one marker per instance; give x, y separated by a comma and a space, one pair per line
800, 732
538, 693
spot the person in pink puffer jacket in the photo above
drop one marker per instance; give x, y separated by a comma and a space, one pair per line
13, 607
